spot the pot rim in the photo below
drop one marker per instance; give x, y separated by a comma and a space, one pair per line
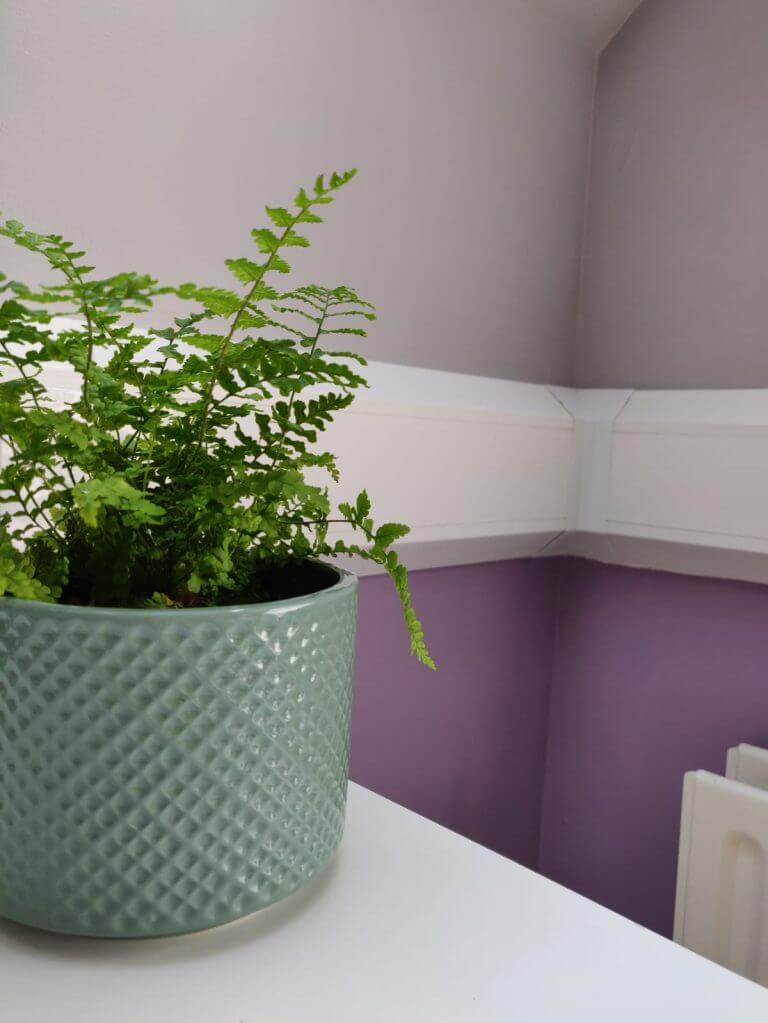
346, 581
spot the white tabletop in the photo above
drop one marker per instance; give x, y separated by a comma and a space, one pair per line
411, 923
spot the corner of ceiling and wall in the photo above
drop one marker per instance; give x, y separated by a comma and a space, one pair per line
596, 22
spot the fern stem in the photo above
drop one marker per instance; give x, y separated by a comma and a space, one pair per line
228, 340
238, 316
20, 367
292, 397
50, 528
91, 317
75, 278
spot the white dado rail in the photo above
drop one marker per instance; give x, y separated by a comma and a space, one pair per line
673, 480
479, 468
485, 469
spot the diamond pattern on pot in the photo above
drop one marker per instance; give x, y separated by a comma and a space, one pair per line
162, 772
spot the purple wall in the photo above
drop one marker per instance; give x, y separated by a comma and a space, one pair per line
463, 745
655, 674
571, 699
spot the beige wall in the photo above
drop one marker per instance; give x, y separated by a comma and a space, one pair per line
675, 287
154, 131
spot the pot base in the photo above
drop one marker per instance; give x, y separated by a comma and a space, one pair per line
303, 889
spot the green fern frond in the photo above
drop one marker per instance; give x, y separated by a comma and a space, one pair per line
189, 456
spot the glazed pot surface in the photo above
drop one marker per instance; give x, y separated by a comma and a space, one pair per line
167, 771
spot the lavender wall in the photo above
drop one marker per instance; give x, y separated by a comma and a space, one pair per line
571, 699
655, 674
674, 276
465, 745
469, 122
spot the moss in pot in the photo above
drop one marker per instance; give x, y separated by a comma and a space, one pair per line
177, 644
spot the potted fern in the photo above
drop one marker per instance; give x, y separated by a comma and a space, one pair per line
176, 641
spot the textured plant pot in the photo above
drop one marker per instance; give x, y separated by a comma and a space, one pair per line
167, 771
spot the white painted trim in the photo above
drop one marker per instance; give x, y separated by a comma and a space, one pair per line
594, 415
485, 469
479, 468
687, 486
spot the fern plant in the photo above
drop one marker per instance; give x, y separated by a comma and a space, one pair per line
186, 473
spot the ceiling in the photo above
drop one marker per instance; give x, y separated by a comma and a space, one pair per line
596, 21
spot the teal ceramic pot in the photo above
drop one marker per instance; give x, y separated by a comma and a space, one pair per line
167, 771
